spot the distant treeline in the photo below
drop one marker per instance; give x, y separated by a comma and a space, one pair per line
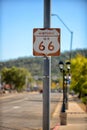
35, 64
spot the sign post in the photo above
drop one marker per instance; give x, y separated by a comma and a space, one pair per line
47, 73
46, 42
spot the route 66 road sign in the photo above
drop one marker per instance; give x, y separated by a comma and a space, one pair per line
46, 42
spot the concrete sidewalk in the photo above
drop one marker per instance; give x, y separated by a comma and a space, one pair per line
72, 127
72, 108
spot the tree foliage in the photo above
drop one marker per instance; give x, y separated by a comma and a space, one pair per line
79, 75
15, 76
35, 64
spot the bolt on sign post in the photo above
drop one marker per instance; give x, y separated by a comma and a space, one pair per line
46, 42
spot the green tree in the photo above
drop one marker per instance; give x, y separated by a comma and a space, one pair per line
16, 76
79, 75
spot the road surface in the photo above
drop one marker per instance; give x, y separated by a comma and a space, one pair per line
25, 111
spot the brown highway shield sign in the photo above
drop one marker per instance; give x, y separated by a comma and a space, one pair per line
46, 41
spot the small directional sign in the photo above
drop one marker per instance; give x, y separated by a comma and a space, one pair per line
46, 41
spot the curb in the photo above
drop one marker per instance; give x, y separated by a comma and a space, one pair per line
57, 109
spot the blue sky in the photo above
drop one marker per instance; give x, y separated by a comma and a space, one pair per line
19, 17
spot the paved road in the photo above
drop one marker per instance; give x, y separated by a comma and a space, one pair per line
24, 111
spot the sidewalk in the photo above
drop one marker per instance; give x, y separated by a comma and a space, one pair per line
72, 127
72, 108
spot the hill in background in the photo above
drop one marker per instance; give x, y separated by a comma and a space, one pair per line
35, 64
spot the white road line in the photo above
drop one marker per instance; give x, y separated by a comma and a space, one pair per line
16, 107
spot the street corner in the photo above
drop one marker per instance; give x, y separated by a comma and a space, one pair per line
56, 127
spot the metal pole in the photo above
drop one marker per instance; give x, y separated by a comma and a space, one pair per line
66, 95
67, 90
63, 107
69, 31
86, 104
70, 56
46, 78
62, 22
71, 46
0, 82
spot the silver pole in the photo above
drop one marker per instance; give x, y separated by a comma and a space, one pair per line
71, 45
69, 31
0, 82
46, 78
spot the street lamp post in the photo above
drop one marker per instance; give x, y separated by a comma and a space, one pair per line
63, 115
71, 33
67, 82
61, 66
68, 64
65, 71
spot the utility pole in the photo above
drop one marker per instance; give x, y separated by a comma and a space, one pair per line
0, 82
47, 73
71, 33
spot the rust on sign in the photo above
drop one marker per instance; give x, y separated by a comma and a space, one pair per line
46, 41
